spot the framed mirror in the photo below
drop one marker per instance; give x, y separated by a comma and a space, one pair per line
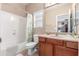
64, 23
67, 23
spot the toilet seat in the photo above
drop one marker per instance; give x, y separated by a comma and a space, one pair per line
31, 44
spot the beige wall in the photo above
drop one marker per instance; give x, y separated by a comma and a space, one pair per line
52, 12
14, 8
77, 9
0, 6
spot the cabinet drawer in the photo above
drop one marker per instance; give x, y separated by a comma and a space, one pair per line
41, 39
72, 44
55, 41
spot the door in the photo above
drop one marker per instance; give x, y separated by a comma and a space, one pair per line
42, 49
48, 49
45, 49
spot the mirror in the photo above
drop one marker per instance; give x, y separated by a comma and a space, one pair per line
61, 18
64, 23
67, 23
77, 18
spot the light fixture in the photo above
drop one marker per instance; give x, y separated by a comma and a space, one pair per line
49, 4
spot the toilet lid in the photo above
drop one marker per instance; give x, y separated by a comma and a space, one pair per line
31, 43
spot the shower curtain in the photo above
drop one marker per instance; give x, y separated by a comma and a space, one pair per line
29, 28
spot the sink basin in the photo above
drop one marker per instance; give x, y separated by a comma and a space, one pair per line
65, 37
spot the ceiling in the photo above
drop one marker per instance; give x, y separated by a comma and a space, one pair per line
24, 4
17, 4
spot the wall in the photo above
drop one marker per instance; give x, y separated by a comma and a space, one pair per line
15, 8
77, 9
0, 6
52, 12
12, 31
32, 8
21, 10
12, 10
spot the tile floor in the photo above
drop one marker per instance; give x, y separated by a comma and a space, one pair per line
24, 53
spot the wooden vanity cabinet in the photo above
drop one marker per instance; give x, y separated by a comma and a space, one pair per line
41, 46
56, 47
49, 49
45, 49
63, 51
73, 45
41, 49
54, 41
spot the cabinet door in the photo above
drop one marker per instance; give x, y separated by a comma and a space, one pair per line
42, 49
48, 49
63, 51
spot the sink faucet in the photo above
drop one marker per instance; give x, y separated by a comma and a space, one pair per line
56, 33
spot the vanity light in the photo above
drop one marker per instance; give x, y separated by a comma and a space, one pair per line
12, 18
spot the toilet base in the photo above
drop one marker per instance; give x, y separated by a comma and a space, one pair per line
31, 51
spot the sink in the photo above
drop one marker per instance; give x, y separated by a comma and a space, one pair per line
62, 37
65, 37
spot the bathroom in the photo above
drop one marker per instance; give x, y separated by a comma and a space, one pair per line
26, 29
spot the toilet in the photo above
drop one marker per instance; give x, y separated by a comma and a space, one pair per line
31, 46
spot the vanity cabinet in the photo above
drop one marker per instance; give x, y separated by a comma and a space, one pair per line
41, 46
55, 41
73, 45
63, 51
57, 47
48, 49
45, 49
41, 49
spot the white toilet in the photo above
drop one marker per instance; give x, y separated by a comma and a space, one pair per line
31, 45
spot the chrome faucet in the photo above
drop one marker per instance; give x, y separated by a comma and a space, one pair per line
57, 33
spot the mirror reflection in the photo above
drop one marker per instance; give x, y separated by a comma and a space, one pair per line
77, 18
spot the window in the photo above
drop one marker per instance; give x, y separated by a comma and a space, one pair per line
38, 19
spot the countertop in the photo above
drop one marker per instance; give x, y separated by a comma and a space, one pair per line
60, 37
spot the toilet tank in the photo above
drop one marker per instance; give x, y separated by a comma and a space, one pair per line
35, 36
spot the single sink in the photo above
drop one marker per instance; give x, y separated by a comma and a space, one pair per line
65, 37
